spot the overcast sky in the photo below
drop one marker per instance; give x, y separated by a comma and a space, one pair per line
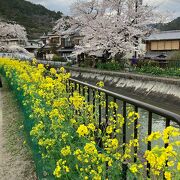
172, 6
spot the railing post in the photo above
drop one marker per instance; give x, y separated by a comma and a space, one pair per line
88, 94
75, 86
115, 110
135, 134
124, 125
124, 166
79, 89
83, 92
166, 144
167, 125
94, 102
0, 82
149, 143
100, 119
106, 110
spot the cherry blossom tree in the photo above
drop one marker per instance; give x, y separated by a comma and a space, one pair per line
109, 26
12, 31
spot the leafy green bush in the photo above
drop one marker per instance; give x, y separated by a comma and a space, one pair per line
110, 66
159, 71
69, 64
145, 62
175, 56
58, 58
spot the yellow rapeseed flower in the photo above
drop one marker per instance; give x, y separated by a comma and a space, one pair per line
77, 100
133, 168
178, 166
82, 130
154, 136
66, 151
168, 175
53, 71
109, 129
90, 148
91, 127
100, 84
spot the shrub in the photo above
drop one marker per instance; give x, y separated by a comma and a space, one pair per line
147, 63
58, 58
159, 71
175, 56
110, 66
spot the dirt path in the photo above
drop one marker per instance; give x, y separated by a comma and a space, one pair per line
15, 157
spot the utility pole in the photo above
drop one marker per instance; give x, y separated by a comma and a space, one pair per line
137, 3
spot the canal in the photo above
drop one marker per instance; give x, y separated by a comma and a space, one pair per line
158, 122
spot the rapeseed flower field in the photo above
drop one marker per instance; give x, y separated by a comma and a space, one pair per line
64, 134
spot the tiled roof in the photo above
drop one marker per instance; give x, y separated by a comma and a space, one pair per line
164, 35
65, 50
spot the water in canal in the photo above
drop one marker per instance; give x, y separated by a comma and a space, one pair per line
158, 124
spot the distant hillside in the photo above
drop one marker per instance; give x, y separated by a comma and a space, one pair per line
35, 18
173, 25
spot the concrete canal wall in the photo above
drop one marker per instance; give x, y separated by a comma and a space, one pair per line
159, 88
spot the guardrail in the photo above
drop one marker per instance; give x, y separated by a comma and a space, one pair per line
91, 90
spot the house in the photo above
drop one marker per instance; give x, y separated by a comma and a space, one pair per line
33, 45
161, 45
50, 44
68, 44
12, 42
62, 44
50, 40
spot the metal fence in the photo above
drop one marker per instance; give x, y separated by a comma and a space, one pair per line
89, 91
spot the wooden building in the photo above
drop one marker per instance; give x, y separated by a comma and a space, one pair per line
63, 44
164, 42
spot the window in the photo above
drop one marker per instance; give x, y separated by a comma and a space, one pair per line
68, 42
161, 45
175, 45
54, 40
154, 46
167, 45
164, 45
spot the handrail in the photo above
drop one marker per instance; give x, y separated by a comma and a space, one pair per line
154, 109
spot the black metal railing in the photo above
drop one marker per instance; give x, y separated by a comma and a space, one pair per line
91, 90
0, 82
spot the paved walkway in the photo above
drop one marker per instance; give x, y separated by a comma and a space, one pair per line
15, 160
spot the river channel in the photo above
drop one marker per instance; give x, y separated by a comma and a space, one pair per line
158, 122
